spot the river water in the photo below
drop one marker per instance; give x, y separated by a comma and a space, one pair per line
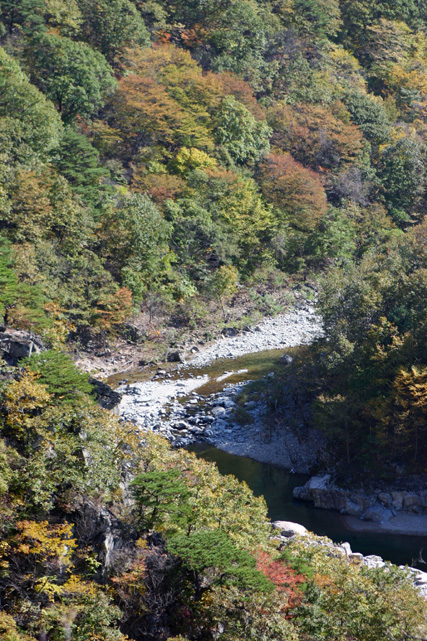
274, 482
276, 485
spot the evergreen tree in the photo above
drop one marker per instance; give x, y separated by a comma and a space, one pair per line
78, 161
57, 371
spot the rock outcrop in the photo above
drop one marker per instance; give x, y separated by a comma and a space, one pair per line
376, 505
16, 344
287, 530
105, 395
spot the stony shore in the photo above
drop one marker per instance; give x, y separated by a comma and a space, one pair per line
284, 531
175, 409
300, 326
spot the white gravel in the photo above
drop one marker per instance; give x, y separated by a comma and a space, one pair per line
298, 327
165, 406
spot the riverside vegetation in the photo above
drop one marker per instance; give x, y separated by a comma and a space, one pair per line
160, 157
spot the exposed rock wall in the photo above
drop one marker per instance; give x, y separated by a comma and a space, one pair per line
15, 344
376, 505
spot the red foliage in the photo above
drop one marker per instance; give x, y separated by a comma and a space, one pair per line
318, 137
283, 577
296, 190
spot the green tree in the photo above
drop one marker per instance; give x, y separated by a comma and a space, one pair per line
78, 161
369, 114
401, 171
136, 237
112, 25
162, 499
25, 16
321, 18
213, 549
21, 305
57, 371
29, 126
76, 78
244, 139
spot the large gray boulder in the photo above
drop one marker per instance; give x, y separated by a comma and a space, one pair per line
288, 528
377, 513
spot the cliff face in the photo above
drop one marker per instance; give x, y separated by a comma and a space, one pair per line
16, 344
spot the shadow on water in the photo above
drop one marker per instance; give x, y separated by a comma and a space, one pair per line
276, 485
273, 482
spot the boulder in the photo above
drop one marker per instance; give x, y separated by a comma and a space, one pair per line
230, 332
218, 411
377, 513
288, 528
175, 356
346, 548
411, 500
105, 395
287, 358
373, 561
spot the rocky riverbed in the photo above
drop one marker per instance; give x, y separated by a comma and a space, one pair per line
172, 405
177, 411
298, 327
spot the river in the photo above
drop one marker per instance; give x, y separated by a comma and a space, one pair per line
274, 482
276, 485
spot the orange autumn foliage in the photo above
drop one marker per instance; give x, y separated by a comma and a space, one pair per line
297, 191
322, 138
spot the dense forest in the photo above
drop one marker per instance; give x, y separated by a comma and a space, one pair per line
166, 155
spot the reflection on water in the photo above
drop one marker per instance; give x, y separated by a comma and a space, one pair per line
277, 484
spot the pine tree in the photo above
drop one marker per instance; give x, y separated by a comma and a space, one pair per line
58, 372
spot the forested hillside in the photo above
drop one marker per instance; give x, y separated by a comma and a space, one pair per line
166, 155
176, 150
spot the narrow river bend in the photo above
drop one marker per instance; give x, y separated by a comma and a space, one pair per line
178, 404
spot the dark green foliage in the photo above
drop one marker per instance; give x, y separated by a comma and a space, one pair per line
78, 161
137, 243
29, 125
75, 77
213, 549
57, 371
320, 18
162, 497
244, 139
24, 16
403, 177
370, 116
21, 304
8, 278
112, 25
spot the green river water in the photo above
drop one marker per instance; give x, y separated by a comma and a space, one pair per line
275, 483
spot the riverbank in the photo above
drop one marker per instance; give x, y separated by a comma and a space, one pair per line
285, 531
406, 524
148, 338
298, 327
182, 407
